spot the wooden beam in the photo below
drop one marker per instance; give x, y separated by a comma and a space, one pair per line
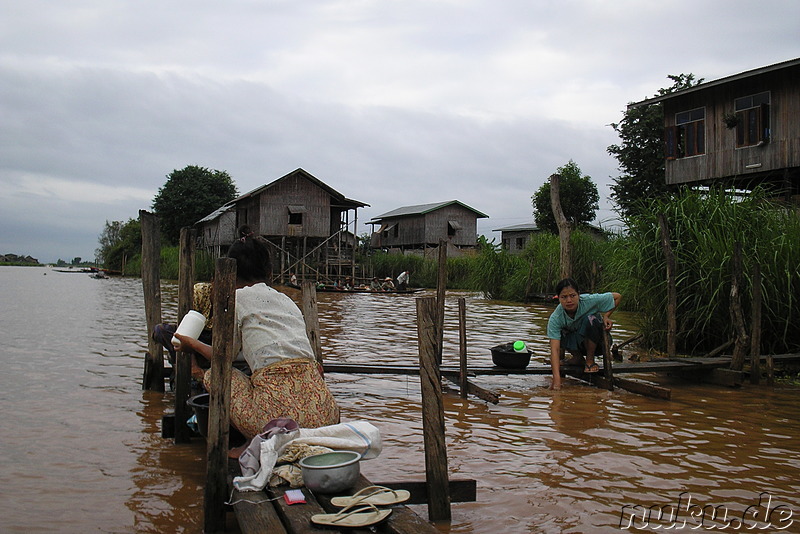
311, 317
672, 292
473, 389
755, 330
462, 347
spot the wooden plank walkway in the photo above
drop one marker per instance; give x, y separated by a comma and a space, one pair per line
655, 366
267, 511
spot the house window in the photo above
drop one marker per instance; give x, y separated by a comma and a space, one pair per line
688, 136
752, 119
506, 244
453, 227
520, 243
396, 230
296, 214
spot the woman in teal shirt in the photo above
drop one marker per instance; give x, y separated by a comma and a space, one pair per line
577, 326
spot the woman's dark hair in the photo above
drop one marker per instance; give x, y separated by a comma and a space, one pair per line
252, 255
565, 283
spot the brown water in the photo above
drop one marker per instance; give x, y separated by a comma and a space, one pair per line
82, 450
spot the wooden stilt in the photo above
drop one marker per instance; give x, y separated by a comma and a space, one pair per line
311, 317
741, 339
755, 328
224, 304
151, 285
432, 413
672, 292
462, 346
441, 290
183, 362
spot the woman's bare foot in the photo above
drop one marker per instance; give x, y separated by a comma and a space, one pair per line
237, 451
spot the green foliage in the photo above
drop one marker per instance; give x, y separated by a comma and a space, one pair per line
704, 227
641, 152
189, 195
119, 243
579, 199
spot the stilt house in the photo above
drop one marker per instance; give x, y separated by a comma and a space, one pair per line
310, 225
420, 227
742, 130
515, 238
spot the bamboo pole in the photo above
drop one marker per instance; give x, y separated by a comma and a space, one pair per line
672, 292
462, 347
564, 229
224, 305
311, 317
183, 362
436, 478
151, 285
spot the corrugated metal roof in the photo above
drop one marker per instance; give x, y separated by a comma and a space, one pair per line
422, 209
518, 228
720, 81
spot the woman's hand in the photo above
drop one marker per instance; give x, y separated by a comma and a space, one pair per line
607, 322
190, 344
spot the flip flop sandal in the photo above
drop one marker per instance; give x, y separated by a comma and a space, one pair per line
375, 495
591, 368
354, 516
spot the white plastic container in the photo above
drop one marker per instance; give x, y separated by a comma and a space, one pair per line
191, 325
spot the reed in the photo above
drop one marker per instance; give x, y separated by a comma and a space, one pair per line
704, 227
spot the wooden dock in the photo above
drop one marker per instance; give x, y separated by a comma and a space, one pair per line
267, 511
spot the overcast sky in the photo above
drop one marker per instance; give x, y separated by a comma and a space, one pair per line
390, 102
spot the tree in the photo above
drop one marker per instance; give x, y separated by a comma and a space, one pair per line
119, 242
641, 152
579, 199
189, 195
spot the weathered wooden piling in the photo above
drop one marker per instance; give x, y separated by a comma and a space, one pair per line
741, 339
441, 291
755, 328
151, 285
224, 305
564, 228
311, 317
672, 291
433, 429
183, 362
463, 382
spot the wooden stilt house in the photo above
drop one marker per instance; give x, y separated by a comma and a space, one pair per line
742, 130
416, 228
310, 225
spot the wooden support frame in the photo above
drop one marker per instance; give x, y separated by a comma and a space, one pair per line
151, 285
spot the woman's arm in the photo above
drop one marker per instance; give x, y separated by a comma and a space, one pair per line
555, 363
607, 322
188, 343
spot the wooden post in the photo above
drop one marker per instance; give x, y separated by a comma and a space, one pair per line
436, 479
462, 347
441, 289
607, 366
755, 329
151, 284
224, 305
564, 229
311, 317
737, 316
672, 292
183, 362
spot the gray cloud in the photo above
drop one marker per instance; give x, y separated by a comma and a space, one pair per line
390, 104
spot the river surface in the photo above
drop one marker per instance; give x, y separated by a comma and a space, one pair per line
82, 449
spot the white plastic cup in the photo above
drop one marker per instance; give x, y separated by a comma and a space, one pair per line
191, 326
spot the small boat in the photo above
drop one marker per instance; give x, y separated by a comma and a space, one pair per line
366, 291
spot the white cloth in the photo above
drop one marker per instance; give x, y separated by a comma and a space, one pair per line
358, 436
403, 278
270, 326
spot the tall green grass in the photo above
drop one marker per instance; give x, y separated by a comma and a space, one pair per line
704, 227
